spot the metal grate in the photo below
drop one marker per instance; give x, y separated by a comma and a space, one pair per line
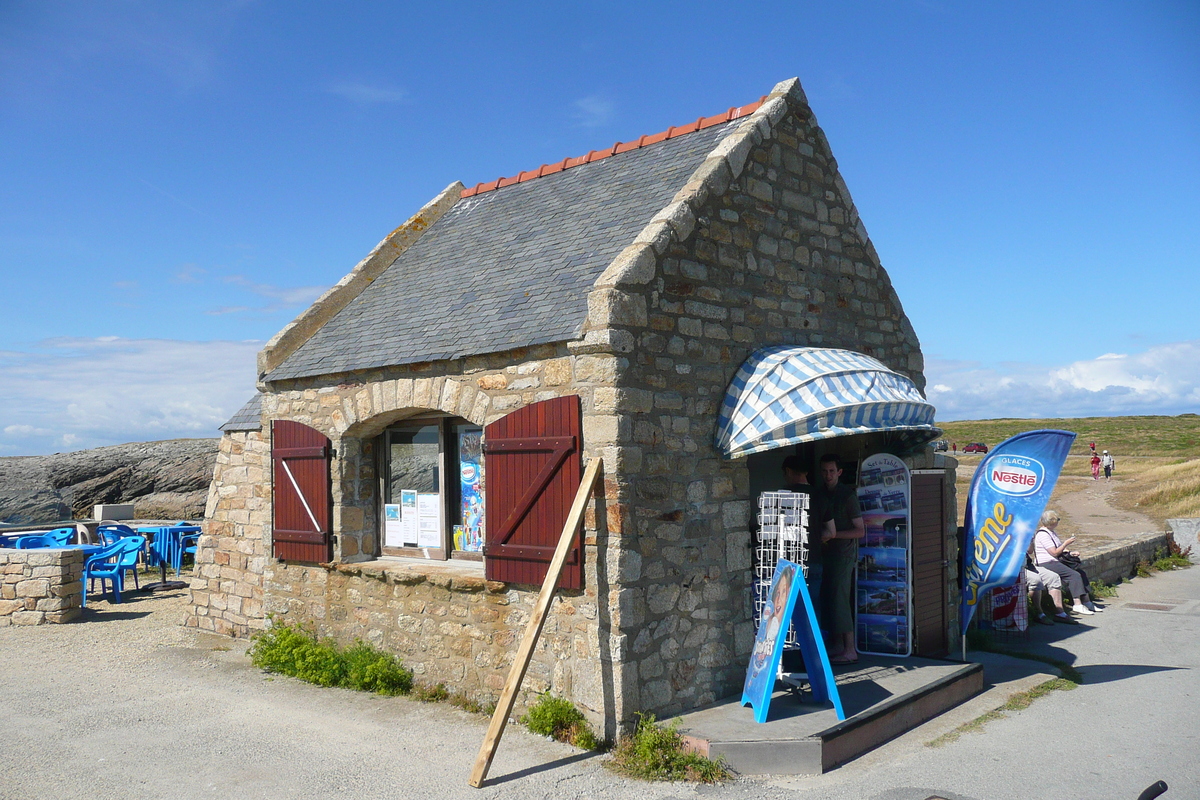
782, 533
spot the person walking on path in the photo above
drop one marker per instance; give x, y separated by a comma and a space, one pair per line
1095, 466
838, 502
1108, 464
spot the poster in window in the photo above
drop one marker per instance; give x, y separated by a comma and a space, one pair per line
408, 517
429, 519
469, 535
884, 624
393, 528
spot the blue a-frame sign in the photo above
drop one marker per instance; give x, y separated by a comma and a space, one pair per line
788, 601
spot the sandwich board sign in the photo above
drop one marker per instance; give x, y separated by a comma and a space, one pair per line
788, 604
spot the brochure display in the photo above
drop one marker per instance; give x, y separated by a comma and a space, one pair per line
788, 603
884, 624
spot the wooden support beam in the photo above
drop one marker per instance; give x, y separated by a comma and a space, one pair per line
516, 675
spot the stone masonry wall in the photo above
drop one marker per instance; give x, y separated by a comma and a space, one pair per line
448, 625
231, 555
352, 411
40, 586
763, 247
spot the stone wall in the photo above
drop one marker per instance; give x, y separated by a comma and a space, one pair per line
1116, 561
451, 626
40, 586
763, 247
231, 595
231, 555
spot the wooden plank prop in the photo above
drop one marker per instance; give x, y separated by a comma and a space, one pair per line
516, 675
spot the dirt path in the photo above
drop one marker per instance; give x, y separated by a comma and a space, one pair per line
1087, 506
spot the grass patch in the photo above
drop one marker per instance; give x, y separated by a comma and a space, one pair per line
1165, 559
296, 651
1018, 701
655, 753
982, 640
1102, 589
1122, 436
561, 720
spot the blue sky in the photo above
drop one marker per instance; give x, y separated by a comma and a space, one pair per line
180, 180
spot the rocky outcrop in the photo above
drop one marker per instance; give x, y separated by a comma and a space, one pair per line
162, 479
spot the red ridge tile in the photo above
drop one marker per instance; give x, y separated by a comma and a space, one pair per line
620, 147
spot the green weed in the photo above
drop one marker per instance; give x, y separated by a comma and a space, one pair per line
1016, 702
655, 753
1101, 589
561, 720
430, 692
296, 651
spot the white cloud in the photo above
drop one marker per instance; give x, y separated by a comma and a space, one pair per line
72, 393
1162, 380
365, 93
282, 297
593, 111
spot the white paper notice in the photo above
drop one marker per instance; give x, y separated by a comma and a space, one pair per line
408, 517
393, 529
429, 531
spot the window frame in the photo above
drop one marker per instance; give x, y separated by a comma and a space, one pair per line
449, 491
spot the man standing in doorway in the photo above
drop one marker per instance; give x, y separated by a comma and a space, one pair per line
839, 503
1108, 464
795, 476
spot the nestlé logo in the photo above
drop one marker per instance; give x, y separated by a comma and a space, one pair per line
1015, 475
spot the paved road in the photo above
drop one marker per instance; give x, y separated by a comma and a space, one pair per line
130, 705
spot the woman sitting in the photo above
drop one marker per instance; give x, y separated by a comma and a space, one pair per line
1049, 548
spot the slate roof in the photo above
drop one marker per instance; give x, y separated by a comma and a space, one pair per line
248, 417
506, 268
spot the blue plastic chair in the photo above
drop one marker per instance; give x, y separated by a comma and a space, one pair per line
187, 546
113, 533
35, 541
124, 555
60, 536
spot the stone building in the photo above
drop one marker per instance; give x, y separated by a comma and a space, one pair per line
600, 306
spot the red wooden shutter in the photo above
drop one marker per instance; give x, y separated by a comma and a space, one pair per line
533, 466
300, 459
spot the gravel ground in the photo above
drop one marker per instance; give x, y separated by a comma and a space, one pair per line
129, 704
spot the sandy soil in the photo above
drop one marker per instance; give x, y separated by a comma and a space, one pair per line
1090, 514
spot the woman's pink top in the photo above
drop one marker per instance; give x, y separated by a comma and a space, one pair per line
1042, 541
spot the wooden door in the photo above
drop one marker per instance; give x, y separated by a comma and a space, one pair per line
929, 565
533, 473
301, 492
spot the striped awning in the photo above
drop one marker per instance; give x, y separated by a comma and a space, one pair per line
784, 395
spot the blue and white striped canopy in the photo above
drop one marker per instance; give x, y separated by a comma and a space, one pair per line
785, 394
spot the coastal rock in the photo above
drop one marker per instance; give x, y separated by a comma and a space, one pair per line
167, 479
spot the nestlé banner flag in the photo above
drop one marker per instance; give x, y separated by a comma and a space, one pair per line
1008, 494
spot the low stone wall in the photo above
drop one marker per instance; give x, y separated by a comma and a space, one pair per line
1118, 560
40, 586
451, 626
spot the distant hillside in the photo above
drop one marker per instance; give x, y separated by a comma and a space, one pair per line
166, 479
1124, 436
